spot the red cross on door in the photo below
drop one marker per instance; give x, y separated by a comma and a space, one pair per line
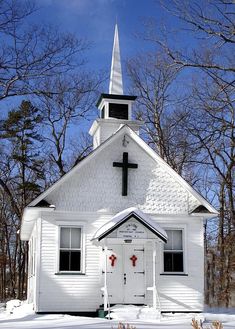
112, 258
133, 259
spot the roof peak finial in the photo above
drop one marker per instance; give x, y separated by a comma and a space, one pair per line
115, 84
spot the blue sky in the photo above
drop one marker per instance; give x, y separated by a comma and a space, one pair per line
95, 20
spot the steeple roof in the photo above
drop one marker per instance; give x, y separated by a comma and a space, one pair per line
115, 84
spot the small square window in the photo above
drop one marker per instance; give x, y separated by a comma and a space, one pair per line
118, 111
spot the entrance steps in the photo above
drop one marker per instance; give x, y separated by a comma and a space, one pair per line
133, 312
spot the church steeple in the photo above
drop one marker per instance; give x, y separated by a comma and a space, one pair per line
115, 83
115, 108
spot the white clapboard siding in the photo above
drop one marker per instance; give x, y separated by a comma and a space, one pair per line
81, 293
73, 293
181, 293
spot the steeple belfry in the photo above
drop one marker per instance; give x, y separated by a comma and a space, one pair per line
115, 107
115, 84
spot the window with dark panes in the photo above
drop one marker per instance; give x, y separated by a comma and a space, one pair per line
118, 111
70, 249
173, 252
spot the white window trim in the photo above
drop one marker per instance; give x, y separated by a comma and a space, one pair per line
83, 253
183, 228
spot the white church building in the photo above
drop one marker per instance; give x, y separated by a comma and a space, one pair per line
121, 227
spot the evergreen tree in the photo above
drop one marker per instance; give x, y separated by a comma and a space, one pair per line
20, 181
21, 129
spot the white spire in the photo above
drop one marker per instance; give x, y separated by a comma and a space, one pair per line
115, 84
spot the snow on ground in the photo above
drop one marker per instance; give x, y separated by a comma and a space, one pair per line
23, 316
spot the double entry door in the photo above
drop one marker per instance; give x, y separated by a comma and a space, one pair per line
126, 274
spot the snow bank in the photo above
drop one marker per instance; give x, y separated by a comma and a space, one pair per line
12, 304
17, 307
20, 315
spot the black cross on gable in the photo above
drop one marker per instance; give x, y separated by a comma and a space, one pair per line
125, 166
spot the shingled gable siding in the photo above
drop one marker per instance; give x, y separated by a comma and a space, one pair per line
80, 293
150, 187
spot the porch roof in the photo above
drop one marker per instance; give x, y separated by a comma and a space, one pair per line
123, 216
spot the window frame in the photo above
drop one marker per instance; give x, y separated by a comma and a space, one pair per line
184, 250
82, 248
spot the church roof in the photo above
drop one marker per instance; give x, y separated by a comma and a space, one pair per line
112, 96
123, 216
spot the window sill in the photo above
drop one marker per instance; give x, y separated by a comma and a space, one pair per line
69, 273
176, 274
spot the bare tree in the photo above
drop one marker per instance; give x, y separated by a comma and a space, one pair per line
211, 21
12, 14
48, 67
63, 113
154, 81
207, 50
212, 125
29, 53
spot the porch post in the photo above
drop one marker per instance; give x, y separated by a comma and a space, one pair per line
105, 291
154, 276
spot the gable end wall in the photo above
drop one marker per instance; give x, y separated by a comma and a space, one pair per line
97, 186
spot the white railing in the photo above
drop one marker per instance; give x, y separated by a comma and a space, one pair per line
104, 289
156, 299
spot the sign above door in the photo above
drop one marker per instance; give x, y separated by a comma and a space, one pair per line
131, 230
130, 223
